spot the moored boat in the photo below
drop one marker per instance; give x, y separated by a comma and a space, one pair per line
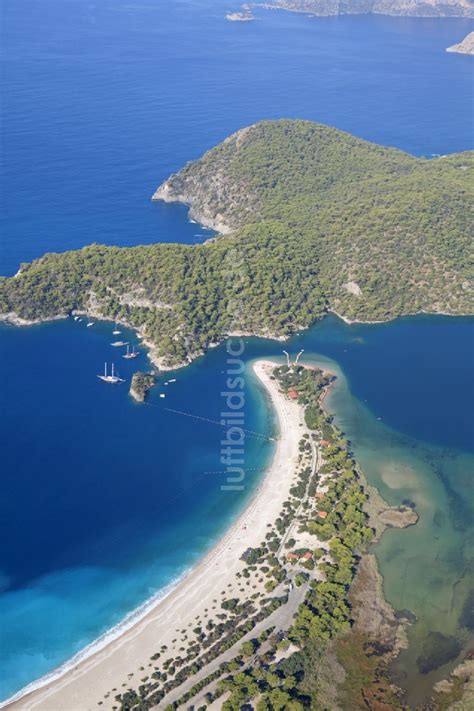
112, 378
131, 353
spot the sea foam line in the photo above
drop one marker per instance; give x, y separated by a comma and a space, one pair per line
131, 619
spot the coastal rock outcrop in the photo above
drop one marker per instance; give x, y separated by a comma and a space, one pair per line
240, 17
177, 189
466, 46
141, 384
216, 200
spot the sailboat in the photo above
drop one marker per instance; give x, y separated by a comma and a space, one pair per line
110, 378
132, 354
116, 331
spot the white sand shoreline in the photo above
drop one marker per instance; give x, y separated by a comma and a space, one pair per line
82, 683
109, 636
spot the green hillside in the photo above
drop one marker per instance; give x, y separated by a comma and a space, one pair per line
316, 219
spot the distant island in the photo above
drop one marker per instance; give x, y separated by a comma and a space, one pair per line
464, 47
239, 17
312, 220
411, 8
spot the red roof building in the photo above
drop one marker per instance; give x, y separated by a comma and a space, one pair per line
307, 556
293, 394
292, 556
322, 514
325, 443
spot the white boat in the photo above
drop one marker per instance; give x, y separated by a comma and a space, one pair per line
172, 380
117, 344
76, 318
91, 323
112, 378
116, 331
162, 395
131, 354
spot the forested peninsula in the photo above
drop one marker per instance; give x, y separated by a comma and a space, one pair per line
311, 220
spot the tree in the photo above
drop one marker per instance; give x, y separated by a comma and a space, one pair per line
248, 648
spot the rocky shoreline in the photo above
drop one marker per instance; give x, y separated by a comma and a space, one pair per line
393, 8
13, 319
141, 384
161, 362
169, 192
466, 46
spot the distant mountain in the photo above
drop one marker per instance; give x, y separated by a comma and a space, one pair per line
413, 8
316, 220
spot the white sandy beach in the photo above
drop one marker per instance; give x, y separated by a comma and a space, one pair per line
84, 685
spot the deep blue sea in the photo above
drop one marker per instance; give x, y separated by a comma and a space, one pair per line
104, 502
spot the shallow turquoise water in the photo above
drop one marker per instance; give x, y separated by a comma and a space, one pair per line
428, 568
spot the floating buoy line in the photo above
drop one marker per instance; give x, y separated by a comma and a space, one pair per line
219, 423
245, 469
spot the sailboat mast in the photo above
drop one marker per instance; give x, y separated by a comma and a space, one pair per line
105, 369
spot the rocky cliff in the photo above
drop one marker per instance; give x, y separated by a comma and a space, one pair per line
204, 184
